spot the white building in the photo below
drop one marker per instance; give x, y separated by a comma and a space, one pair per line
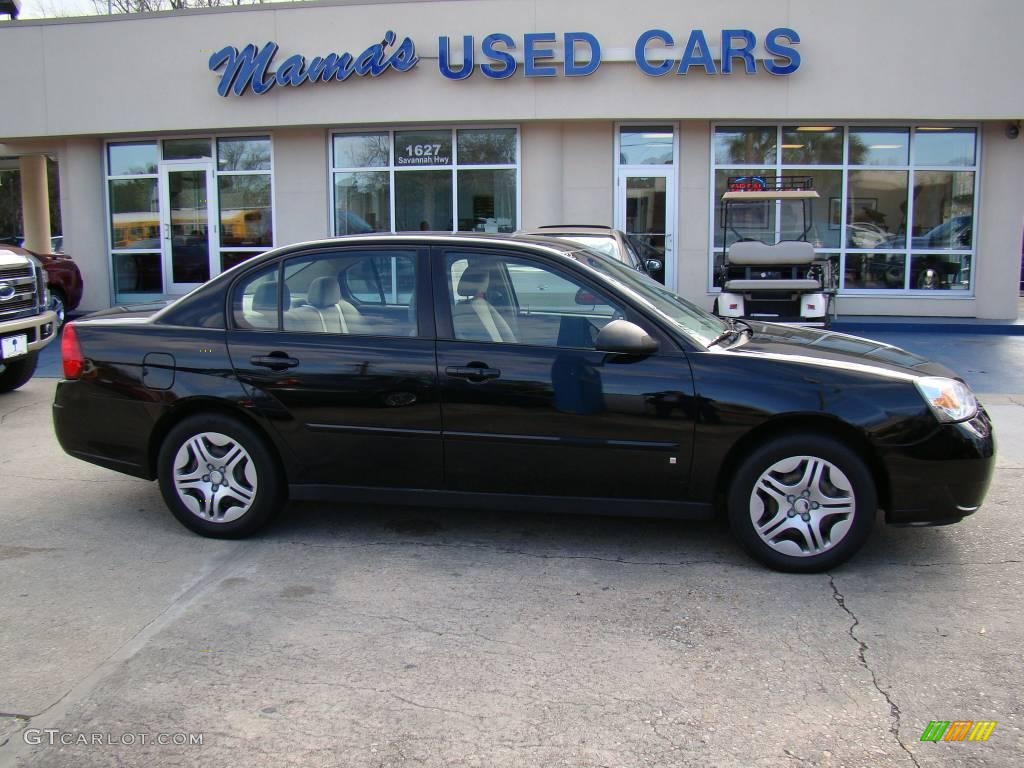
905, 114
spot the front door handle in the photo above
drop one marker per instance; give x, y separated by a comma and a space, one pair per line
275, 361
472, 372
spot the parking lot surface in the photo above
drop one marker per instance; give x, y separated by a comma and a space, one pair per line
391, 636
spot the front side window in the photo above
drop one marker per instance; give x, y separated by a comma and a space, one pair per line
437, 179
515, 301
358, 293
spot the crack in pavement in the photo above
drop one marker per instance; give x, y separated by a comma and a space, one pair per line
894, 709
3, 417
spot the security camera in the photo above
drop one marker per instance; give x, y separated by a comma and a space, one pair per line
1013, 130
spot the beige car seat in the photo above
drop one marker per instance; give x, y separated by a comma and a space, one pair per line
474, 317
325, 311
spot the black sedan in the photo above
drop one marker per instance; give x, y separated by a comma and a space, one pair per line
513, 373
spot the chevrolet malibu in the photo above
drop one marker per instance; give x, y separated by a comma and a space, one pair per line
513, 373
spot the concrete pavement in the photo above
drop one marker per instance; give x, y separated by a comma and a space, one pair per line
390, 637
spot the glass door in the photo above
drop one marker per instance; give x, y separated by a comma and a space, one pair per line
188, 225
644, 212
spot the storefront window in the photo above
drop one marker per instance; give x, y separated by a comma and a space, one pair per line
423, 201
158, 251
646, 145
895, 206
132, 158
186, 149
747, 144
944, 146
487, 201
437, 180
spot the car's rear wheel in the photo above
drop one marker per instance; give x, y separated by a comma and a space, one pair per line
802, 503
15, 373
218, 476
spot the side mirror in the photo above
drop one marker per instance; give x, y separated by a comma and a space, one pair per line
625, 338
586, 298
654, 265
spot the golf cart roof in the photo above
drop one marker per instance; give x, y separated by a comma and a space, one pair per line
771, 194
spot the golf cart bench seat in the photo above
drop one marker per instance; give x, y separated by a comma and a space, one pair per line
740, 286
753, 253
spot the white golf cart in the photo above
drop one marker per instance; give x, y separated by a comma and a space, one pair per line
763, 275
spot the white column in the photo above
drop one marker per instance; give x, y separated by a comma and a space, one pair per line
35, 203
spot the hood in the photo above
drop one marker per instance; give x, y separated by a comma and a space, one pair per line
811, 346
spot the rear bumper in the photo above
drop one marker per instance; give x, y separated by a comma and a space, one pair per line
945, 477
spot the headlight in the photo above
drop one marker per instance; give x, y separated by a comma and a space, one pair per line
949, 399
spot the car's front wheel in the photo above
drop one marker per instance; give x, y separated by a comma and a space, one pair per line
802, 503
218, 476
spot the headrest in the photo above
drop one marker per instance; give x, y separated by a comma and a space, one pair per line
323, 292
753, 253
265, 298
474, 281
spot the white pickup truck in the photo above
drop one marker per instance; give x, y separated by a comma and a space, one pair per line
26, 322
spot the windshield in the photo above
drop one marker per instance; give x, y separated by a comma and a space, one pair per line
701, 326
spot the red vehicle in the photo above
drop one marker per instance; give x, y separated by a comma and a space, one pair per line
64, 281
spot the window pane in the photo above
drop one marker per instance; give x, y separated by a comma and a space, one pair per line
943, 210
812, 145
352, 292
487, 146
137, 273
244, 154
645, 145
229, 259
361, 150
130, 159
881, 271
423, 148
879, 199
943, 272
509, 300
362, 203
944, 146
186, 149
423, 201
745, 144
245, 218
754, 219
879, 146
134, 213
822, 216
487, 201
255, 301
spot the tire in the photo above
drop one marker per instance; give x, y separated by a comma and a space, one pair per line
234, 499
808, 474
17, 372
58, 303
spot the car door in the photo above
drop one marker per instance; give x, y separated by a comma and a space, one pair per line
530, 407
336, 347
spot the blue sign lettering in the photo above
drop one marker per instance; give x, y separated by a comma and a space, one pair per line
250, 67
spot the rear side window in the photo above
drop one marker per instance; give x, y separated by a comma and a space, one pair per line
256, 300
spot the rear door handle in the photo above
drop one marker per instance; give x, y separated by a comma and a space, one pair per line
472, 372
275, 361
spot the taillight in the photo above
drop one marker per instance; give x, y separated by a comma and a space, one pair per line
71, 353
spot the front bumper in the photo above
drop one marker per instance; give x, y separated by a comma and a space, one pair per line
39, 329
943, 478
